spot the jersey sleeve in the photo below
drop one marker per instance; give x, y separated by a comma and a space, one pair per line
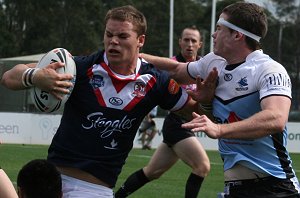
274, 80
204, 65
83, 62
173, 96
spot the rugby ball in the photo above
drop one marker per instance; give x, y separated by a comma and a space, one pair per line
43, 100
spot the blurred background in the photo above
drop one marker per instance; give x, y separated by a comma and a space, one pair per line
30, 28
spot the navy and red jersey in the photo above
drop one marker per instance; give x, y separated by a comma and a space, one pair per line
104, 111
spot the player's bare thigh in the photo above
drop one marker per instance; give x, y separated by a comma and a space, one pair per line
191, 151
161, 161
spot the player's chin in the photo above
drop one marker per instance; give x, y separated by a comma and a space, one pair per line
217, 50
114, 58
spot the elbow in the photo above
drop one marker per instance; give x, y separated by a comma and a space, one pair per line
173, 74
280, 127
6, 82
3, 81
280, 123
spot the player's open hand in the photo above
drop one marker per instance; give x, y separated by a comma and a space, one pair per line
201, 123
205, 90
49, 80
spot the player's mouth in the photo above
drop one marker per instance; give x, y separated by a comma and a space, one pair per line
113, 52
189, 50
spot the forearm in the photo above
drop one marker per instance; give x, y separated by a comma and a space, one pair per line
177, 70
12, 79
161, 63
259, 125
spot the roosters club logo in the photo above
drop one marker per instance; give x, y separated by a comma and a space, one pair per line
139, 89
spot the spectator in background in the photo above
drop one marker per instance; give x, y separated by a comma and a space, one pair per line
148, 129
39, 179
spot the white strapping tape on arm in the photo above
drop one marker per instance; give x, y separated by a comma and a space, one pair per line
222, 21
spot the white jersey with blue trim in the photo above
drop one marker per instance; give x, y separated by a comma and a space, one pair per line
237, 97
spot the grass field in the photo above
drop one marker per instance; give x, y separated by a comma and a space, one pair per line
171, 184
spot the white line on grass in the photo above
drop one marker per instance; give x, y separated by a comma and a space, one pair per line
141, 156
147, 156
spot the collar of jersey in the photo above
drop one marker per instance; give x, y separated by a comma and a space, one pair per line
132, 76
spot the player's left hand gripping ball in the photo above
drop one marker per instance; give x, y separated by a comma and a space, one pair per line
43, 100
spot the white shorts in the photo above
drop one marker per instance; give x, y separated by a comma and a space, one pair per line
75, 188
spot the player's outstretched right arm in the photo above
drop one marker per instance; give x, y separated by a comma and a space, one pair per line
46, 79
177, 70
12, 79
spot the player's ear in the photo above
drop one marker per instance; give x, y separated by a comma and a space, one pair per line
239, 35
141, 40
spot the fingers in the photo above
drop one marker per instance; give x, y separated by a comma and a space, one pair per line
212, 77
196, 124
59, 92
193, 94
57, 95
55, 65
198, 83
62, 87
64, 77
194, 127
195, 115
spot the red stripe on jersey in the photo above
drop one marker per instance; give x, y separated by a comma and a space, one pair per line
97, 92
100, 97
90, 72
118, 83
137, 99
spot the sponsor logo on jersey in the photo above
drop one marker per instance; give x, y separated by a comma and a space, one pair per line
243, 85
113, 145
228, 77
115, 101
139, 89
278, 80
232, 117
173, 87
105, 126
97, 81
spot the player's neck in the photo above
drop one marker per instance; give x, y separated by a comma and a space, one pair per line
238, 57
124, 69
189, 58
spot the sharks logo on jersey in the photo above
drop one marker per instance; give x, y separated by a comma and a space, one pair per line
242, 84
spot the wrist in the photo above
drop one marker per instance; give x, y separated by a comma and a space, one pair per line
33, 76
28, 76
206, 107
